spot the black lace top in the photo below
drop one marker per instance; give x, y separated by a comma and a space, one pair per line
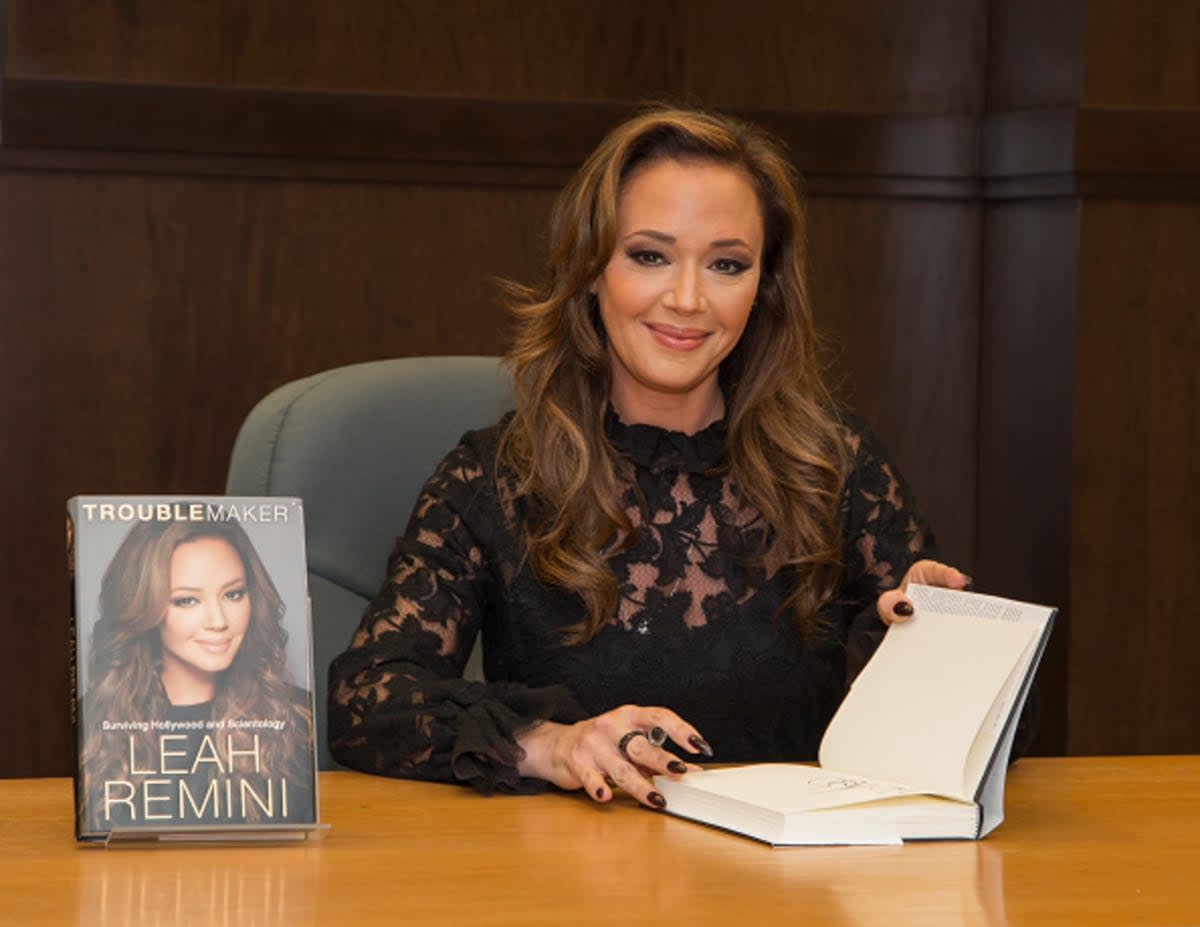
696, 629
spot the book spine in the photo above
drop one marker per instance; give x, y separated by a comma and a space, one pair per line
73, 663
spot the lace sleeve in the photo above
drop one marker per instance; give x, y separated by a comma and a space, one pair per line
884, 535
397, 703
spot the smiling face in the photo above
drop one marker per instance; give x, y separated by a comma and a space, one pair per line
678, 290
208, 613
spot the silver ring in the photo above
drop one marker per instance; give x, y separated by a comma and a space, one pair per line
623, 744
657, 736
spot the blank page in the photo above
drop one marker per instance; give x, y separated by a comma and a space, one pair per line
915, 710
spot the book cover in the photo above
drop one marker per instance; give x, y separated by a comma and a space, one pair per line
191, 666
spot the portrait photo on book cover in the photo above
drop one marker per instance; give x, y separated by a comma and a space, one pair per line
193, 665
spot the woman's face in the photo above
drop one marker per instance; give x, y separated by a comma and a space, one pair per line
678, 290
208, 612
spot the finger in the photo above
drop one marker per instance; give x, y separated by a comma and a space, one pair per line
894, 607
626, 775
933, 573
662, 724
646, 756
596, 784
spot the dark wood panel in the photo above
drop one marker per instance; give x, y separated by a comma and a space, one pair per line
533, 141
4, 23
1028, 142
1136, 521
1035, 54
1046, 152
1142, 54
145, 318
1130, 141
895, 287
1090, 186
896, 186
357, 170
875, 55
1091, 151
1093, 52
1026, 424
206, 120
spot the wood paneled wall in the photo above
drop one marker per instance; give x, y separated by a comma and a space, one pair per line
874, 56
1089, 388
199, 202
1136, 520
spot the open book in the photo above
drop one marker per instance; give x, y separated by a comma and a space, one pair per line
918, 749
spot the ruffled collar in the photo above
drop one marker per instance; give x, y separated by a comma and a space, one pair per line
659, 449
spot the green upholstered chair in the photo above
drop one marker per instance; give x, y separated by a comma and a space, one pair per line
357, 443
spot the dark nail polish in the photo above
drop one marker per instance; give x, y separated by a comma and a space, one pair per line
656, 800
676, 766
700, 744
903, 608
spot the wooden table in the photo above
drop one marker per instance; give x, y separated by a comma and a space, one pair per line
1112, 840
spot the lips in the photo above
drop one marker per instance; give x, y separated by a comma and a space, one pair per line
677, 338
215, 646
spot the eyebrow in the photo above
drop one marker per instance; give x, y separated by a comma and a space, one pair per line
670, 239
232, 582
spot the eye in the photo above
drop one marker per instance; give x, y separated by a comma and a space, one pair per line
646, 257
184, 601
730, 266
236, 595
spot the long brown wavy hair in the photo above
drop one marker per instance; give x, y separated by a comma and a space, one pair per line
125, 663
786, 455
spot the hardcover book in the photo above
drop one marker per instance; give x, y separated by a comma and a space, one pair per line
918, 749
191, 669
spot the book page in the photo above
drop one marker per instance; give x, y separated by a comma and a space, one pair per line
928, 599
915, 711
787, 788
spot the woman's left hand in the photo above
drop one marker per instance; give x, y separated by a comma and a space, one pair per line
894, 606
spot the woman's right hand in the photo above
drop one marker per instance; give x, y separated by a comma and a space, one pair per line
587, 755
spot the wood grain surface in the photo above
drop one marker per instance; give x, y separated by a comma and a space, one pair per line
1086, 841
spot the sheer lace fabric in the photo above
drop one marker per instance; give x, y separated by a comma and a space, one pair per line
696, 629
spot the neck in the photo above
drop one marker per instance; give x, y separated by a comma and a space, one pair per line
186, 685
684, 412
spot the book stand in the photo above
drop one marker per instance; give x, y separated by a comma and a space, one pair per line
265, 835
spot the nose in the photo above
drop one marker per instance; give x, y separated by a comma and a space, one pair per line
686, 296
214, 616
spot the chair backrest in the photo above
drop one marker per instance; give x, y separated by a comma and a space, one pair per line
357, 443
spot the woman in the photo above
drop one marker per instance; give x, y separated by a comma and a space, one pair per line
189, 647
675, 515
